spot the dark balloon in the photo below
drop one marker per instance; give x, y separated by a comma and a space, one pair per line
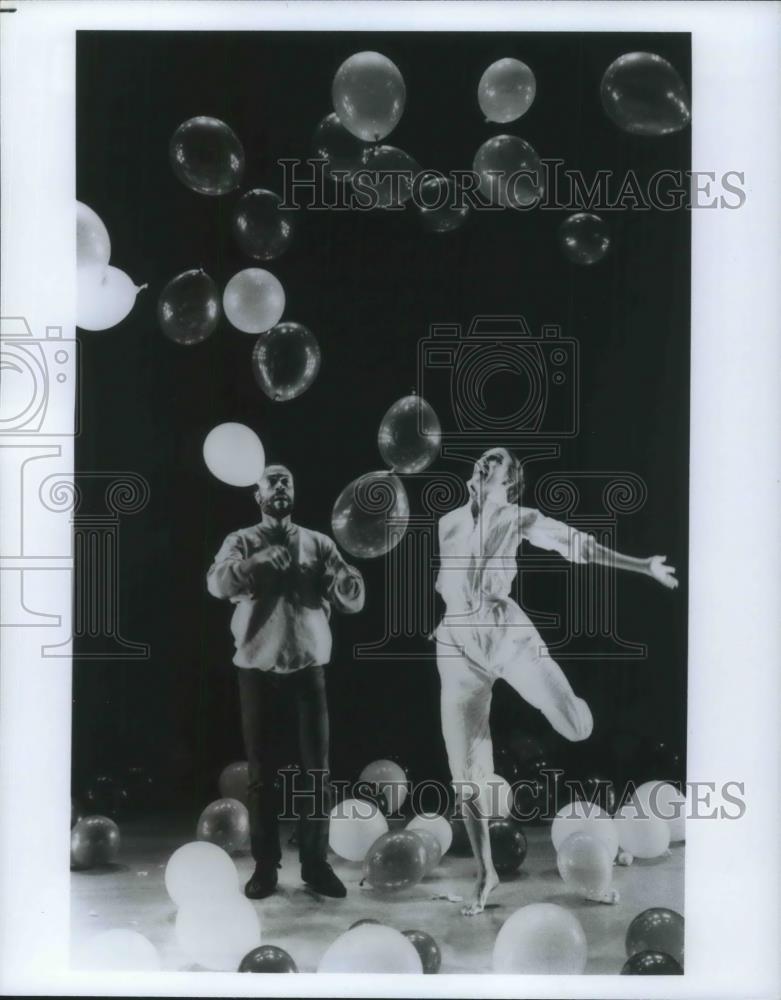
106, 797
441, 204
644, 95
267, 958
509, 171
225, 823
207, 156
656, 929
366, 920
508, 845
189, 307
584, 238
262, 228
395, 861
94, 841
285, 360
651, 963
410, 435
600, 791
371, 514
427, 948
386, 177
342, 152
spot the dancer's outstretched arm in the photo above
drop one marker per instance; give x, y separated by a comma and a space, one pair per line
653, 566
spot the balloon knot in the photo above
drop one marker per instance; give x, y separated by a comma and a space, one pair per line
142, 287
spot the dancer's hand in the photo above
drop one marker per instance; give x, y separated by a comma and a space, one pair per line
659, 570
275, 555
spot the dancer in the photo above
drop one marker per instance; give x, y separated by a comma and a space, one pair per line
284, 580
484, 635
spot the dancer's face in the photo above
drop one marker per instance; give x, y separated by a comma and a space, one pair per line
492, 469
276, 492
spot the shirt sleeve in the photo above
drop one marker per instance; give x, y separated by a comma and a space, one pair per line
344, 586
555, 536
227, 576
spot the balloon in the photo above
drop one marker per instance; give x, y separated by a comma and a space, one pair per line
233, 453
541, 939
199, 873
585, 817
262, 229
120, 951
207, 156
285, 360
395, 861
104, 296
225, 823
93, 244
386, 177
433, 849
651, 963
368, 95
442, 208
644, 95
366, 920
389, 779
338, 147
253, 300
657, 929
509, 172
371, 515
438, 825
660, 798
410, 435
585, 864
640, 833
506, 90
94, 841
189, 309
268, 958
218, 933
105, 797
427, 948
355, 826
600, 791
584, 238
371, 948
234, 781
508, 845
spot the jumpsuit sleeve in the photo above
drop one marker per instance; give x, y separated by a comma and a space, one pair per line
343, 584
555, 536
229, 575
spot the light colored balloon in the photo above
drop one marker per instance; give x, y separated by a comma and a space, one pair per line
368, 95
640, 833
371, 515
510, 172
506, 90
662, 799
410, 435
541, 939
217, 934
588, 818
233, 453
253, 300
200, 872
371, 948
120, 950
93, 244
389, 780
355, 825
585, 864
438, 825
104, 296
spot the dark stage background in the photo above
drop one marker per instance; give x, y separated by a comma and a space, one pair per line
368, 285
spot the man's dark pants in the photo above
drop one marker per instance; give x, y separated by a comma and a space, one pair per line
266, 703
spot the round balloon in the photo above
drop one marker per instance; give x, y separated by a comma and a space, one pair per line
395, 861
253, 300
371, 948
651, 963
433, 849
640, 832
199, 872
644, 95
234, 781
584, 238
506, 90
355, 825
94, 841
508, 845
233, 453
285, 361
585, 865
388, 779
225, 823
365, 920
438, 825
371, 515
217, 933
188, 309
410, 435
263, 229
93, 244
509, 172
342, 152
585, 817
368, 95
427, 948
441, 204
119, 950
268, 958
541, 939
207, 156
104, 296
661, 799
386, 177
657, 929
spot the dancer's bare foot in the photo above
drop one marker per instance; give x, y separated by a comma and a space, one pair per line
609, 896
625, 858
485, 884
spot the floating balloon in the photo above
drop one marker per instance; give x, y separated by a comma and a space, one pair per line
371, 515
371, 948
541, 939
508, 845
584, 238
368, 95
640, 833
119, 950
342, 152
234, 781
198, 873
262, 228
438, 825
355, 825
268, 958
657, 929
427, 948
386, 177
585, 817
188, 309
644, 95
660, 798
104, 296
93, 244
410, 435
207, 156
94, 841
395, 861
509, 172
285, 360
506, 90
433, 849
233, 453
441, 205
651, 963
218, 933
585, 864
253, 300
389, 780
226, 824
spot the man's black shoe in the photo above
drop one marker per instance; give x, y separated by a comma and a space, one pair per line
322, 878
263, 882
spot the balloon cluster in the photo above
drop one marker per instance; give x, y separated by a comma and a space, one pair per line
371, 946
105, 295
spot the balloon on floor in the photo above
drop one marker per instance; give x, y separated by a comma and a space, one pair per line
641, 833
261, 227
662, 799
120, 950
651, 963
410, 435
234, 454
206, 156
433, 849
371, 948
644, 95
253, 300
541, 939
436, 824
585, 864
506, 90
200, 872
225, 823
218, 933
657, 929
584, 238
354, 826
585, 817
189, 308
368, 95
508, 845
371, 515
388, 779
268, 958
95, 841
395, 861
427, 948
104, 296
285, 361
234, 781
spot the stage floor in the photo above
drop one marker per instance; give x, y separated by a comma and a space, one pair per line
131, 894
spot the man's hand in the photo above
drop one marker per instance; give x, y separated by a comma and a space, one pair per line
276, 556
659, 570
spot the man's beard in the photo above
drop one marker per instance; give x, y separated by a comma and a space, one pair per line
278, 506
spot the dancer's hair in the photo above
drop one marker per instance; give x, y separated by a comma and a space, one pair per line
515, 481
